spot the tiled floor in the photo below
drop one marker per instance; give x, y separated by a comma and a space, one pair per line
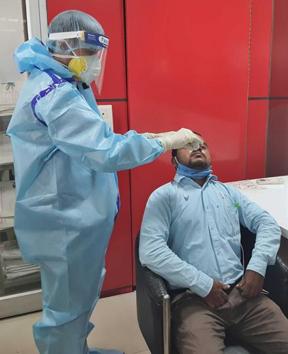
115, 327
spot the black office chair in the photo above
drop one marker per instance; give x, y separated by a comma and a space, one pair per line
153, 298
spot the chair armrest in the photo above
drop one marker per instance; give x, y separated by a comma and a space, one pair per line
276, 280
155, 286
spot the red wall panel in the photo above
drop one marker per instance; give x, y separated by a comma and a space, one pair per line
277, 146
188, 67
119, 255
279, 73
277, 142
261, 21
256, 138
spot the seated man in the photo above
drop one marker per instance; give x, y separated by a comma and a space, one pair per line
190, 236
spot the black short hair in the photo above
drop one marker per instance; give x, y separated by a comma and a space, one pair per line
174, 151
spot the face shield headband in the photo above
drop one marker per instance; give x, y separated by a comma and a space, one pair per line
81, 39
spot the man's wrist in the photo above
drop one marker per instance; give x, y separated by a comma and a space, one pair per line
258, 266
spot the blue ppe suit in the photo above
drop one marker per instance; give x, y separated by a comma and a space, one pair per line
66, 193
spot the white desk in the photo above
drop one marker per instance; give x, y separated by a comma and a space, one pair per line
271, 194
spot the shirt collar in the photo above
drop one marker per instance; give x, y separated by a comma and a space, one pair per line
179, 178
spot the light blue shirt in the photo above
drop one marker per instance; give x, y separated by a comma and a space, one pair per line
190, 235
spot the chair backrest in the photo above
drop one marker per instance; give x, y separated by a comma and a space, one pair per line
247, 241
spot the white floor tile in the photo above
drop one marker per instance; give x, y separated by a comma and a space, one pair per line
115, 322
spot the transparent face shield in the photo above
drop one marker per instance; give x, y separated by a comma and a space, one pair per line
87, 52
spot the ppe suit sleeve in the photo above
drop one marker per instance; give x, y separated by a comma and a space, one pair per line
77, 130
267, 232
155, 253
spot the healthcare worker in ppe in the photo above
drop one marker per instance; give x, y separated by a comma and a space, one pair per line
66, 158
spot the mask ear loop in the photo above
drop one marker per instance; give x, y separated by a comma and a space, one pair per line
177, 161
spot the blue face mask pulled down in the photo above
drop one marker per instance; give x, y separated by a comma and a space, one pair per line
183, 170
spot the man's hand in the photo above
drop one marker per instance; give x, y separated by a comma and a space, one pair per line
251, 284
217, 296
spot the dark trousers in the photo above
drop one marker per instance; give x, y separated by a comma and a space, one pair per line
199, 329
